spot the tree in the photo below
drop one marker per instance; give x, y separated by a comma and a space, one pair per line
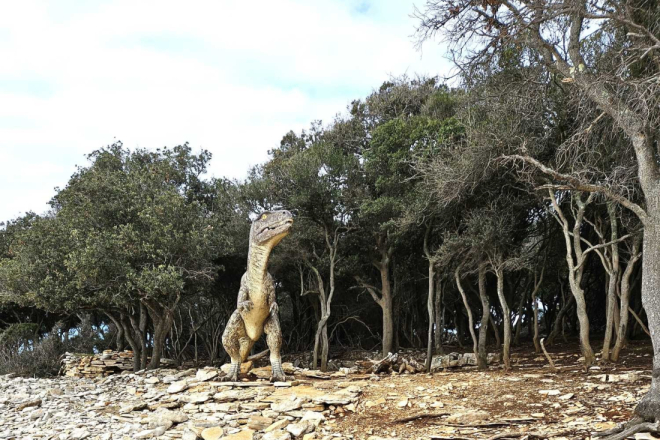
131, 234
312, 178
617, 74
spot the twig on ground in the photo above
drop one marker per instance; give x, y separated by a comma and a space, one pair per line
243, 384
477, 425
507, 435
419, 416
453, 437
529, 435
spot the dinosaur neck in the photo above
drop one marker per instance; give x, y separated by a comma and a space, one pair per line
257, 267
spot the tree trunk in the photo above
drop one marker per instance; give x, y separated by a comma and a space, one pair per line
625, 299
506, 314
521, 307
386, 302
535, 308
460, 329
535, 337
439, 317
613, 273
322, 326
496, 331
388, 323
162, 319
430, 301
123, 322
576, 268
482, 357
430, 305
385, 299
649, 406
557, 326
120, 337
161, 329
457, 276
139, 325
609, 317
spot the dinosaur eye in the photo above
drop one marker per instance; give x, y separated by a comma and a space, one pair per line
264, 217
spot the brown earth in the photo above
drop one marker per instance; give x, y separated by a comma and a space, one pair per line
529, 400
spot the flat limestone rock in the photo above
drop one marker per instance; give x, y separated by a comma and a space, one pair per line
245, 368
177, 387
135, 406
277, 426
196, 397
334, 399
206, 374
150, 433
306, 393
287, 405
79, 434
213, 433
298, 429
165, 415
246, 434
313, 417
468, 417
259, 423
262, 372
277, 435
232, 395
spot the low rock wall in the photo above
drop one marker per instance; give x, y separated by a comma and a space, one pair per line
101, 364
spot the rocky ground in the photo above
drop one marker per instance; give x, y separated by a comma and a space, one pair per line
531, 401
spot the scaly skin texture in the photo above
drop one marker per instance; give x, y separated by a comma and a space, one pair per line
256, 310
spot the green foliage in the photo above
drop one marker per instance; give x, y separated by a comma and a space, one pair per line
132, 225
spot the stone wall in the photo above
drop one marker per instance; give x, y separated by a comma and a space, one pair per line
101, 364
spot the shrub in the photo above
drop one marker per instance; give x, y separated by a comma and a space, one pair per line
24, 352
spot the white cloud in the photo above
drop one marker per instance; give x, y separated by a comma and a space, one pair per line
228, 76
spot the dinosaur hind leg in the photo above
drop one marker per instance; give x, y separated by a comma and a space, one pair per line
246, 345
274, 341
231, 340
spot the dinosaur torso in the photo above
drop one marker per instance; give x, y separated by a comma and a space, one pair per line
259, 294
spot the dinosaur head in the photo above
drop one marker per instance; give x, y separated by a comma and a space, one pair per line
270, 228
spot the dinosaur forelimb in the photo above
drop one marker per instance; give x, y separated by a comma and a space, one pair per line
245, 306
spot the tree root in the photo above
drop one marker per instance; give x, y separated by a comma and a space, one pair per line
545, 352
626, 430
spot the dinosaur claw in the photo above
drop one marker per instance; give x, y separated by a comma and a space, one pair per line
278, 378
245, 306
230, 378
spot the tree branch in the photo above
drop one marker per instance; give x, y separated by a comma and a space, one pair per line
577, 184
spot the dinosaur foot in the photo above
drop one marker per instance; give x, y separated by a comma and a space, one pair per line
279, 378
278, 373
230, 378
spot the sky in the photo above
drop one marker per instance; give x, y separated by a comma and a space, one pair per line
231, 77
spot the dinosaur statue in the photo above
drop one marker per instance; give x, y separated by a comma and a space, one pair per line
256, 310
